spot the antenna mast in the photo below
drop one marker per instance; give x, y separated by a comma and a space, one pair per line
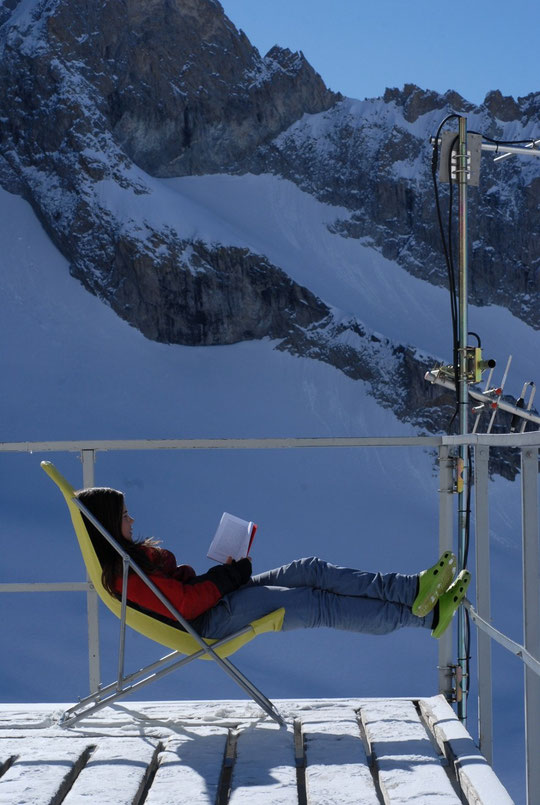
460, 163
462, 171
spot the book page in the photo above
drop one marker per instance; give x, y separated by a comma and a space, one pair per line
232, 538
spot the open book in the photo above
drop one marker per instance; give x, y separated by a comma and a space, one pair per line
232, 538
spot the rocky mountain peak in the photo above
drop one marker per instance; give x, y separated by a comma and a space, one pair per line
181, 90
416, 102
288, 60
503, 107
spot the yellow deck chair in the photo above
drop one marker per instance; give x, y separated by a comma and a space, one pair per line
186, 642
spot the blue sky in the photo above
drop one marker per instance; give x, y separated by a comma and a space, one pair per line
360, 48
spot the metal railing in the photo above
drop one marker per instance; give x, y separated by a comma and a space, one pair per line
447, 447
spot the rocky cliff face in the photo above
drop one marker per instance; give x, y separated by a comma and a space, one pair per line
103, 97
174, 84
374, 158
171, 87
94, 89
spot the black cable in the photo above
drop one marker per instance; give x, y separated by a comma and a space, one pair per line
468, 507
449, 259
467, 636
503, 142
467, 656
453, 288
447, 245
434, 162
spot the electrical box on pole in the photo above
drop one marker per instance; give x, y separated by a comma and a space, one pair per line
449, 157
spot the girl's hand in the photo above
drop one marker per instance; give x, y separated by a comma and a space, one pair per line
229, 561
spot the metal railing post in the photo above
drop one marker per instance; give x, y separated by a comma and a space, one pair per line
483, 602
446, 539
92, 601
531, 617
122, 643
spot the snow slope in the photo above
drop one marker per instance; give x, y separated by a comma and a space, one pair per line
72, 369
272, 216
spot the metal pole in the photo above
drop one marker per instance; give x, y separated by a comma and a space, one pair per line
506, 150
446, 542
483, 602
94, 663
122, 644
531, 617
463, 399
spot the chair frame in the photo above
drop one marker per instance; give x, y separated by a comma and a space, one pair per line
126, 684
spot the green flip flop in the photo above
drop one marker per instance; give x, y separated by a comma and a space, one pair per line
433, 583
450, 601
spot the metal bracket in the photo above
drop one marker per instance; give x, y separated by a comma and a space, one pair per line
449, 671
457, 674
455, 463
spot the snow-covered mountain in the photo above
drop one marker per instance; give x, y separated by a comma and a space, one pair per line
269, 261
97, 112
374, 158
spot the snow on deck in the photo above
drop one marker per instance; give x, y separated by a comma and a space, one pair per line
333, 752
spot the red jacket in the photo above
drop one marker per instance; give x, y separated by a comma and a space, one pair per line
190, 594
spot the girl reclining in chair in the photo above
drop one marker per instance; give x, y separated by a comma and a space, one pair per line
314, 593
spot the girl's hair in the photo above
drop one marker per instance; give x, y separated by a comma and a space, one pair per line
107, 506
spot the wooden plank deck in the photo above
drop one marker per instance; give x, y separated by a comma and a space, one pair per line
333, 752
191, 761
409, 768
